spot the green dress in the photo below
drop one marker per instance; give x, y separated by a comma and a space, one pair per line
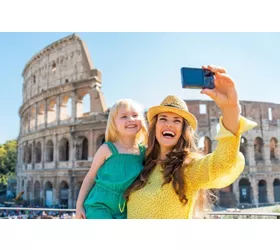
105, 200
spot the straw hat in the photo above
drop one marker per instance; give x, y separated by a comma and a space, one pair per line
175, 105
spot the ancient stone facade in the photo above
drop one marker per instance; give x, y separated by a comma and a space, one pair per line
57, 139
259, 184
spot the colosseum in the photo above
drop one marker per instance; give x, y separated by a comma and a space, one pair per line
58, 139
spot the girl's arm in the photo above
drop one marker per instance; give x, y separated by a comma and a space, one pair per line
101, 155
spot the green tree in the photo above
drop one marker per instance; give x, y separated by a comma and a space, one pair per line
8, 160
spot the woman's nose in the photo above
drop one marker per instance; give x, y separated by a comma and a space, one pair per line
169, 124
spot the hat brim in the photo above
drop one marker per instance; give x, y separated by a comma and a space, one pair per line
153, 111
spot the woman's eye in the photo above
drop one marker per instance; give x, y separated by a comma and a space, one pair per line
162, 119
177, 121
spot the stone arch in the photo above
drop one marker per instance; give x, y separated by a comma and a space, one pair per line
84, 103
63, 150
244, 147
262, 186
273, 148
52, 106
245, 191
32, 117
38, 152
41, 114
25, 123
66, 108
100, 140
37, 189
276, 190
82, 148
48, 194
49, 151
258, 149
63, 194
25, 154
29, 154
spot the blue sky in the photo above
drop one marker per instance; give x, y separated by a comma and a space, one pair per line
146, 66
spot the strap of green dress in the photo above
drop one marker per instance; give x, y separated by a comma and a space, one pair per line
142, 150
112, 147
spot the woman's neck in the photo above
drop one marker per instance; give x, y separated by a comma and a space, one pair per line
163, 153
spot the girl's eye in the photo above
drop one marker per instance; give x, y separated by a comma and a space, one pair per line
135, 116
124, 116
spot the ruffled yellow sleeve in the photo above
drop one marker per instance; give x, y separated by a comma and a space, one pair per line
222, 167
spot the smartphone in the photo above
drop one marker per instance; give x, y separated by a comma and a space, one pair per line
196, 78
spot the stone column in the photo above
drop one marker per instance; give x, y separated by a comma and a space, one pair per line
33, 158
31, 191
55, 191
266, 150
71, 191
43, 153
25, 190
235, 187
251, 154
29, 119
255, 191
42, 192
58, 107
46, 112
56, 151
91, 142
73, 146
36, 116
270, 191
74, 106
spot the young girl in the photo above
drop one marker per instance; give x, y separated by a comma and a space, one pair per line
116, 164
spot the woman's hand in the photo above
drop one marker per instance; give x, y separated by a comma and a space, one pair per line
80, 213
224, 94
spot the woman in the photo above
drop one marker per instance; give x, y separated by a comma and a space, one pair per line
175, 173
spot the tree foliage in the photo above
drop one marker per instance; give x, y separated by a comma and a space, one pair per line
8, 160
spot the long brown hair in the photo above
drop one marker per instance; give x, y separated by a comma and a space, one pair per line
173, 166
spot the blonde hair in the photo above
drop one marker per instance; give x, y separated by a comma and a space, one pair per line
112, 133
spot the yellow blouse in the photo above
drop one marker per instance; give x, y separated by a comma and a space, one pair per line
216, 170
